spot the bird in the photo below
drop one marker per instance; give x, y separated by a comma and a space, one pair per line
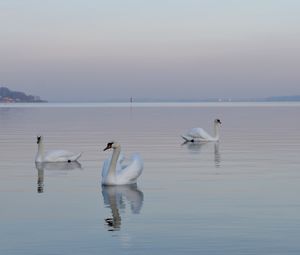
199, 134
115, 172
54, 155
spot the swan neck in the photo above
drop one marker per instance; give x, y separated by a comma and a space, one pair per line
40, 153
217, 131
113, 162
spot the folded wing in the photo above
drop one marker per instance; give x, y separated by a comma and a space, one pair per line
60, 156
198, 133
129, 173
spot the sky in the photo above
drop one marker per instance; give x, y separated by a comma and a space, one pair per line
96, 50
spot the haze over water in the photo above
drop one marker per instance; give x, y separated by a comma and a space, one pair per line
79, 51
238, 196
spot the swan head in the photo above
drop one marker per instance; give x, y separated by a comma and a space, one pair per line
39, 138
218, 122
111, 145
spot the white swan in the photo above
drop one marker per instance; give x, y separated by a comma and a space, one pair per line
115, 172
55, 155
199, 134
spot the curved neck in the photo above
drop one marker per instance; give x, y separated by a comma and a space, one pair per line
40, 153
113, 163
216, 130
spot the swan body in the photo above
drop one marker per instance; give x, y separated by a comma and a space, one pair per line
199, 134
54, 155
115, 172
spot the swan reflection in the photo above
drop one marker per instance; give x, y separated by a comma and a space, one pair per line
116, 197
217, 154
197, 147
59, 166
194, 147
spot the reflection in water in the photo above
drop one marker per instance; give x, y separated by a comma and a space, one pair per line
196, 148
40, 180
217, 154
60, 166
114, 198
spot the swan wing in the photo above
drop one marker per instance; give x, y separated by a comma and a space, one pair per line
105, 167
198, 133
121, 158
129, 173
106, 164
60, 156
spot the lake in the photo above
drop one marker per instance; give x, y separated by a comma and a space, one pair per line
237, 196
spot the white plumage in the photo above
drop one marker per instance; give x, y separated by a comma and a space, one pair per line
116, 172
54, 155
199, 134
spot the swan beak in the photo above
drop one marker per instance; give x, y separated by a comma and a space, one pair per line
107, 148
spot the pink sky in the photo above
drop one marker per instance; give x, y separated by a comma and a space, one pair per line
99, 50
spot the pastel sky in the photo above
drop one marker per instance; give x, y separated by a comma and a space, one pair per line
94, 50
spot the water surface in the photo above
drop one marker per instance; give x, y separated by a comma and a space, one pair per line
238, 196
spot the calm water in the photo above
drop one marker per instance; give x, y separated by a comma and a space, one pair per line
238, 196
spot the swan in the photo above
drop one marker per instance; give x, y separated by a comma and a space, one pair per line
199, 134
115, 172
55, 155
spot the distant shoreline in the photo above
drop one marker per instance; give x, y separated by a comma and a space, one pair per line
156, 101
149, 104
8, 96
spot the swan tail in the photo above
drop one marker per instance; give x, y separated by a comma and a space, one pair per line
186, 138
76, 157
